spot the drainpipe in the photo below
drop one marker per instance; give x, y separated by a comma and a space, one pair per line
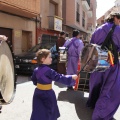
36, 31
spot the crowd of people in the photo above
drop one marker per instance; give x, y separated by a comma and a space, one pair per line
104, 86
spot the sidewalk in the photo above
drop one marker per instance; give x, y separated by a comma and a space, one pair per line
71, 103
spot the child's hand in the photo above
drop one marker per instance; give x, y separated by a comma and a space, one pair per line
74, 77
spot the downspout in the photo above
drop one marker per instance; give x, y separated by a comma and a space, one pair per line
36, 31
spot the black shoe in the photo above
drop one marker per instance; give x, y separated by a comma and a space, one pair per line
70, 88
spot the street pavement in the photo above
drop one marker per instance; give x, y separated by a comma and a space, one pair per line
71, 103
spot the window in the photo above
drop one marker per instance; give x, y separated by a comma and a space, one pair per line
77, 13
83, 19
53, 9
48, 41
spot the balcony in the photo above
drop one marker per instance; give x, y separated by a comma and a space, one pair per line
26, 8
85, 5
89, 13
55, 23
88, 1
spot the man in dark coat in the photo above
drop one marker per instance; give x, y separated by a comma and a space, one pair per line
61, 68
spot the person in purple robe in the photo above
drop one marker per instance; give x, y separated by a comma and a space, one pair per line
73, 54
104, 94
44, 105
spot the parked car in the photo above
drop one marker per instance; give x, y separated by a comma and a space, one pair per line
26, 62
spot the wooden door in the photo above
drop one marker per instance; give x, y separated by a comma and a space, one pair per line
26, 41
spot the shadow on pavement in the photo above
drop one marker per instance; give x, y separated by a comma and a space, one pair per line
60, 85
23, 78
78, 99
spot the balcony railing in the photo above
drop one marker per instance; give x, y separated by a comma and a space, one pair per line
27, 8
55, 23
86, 5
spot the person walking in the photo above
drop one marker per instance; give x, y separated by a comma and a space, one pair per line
44, 100
73, 54
61, 67
104, 94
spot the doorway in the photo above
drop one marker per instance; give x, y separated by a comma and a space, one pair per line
26, 41
7, 32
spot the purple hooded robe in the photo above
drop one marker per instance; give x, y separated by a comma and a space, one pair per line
44, 101
105, 86
73, 55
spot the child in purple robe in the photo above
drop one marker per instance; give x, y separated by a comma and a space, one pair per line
104, 87
44, 100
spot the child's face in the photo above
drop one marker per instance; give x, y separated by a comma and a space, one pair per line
47, 60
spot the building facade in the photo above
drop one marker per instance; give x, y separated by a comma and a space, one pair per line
81, 15
66, 15
91, 25
50, 20
117, 3
28, 22
115, 8
18, 22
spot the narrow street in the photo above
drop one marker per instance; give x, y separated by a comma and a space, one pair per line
71, 103
82, 35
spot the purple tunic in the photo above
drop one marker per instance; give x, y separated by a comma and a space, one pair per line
73, 55
105, 86
44, 101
